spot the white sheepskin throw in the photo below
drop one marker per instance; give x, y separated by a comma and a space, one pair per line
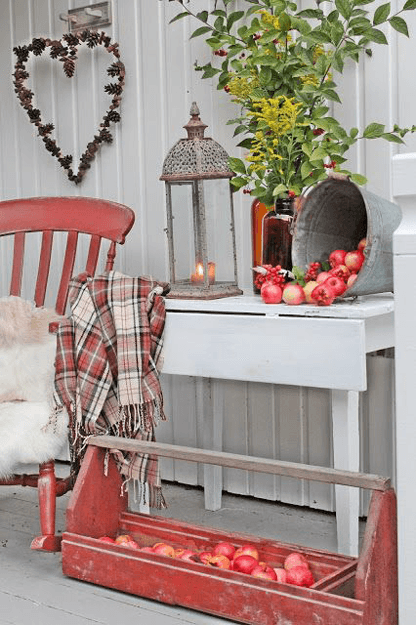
31, 431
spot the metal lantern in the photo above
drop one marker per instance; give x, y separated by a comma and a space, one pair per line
200, 216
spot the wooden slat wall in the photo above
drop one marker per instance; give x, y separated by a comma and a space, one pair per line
290, 423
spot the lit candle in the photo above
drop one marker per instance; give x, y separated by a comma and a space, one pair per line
198, 276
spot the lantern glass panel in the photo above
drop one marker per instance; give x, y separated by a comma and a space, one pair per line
218, 227
183, 230
214, 200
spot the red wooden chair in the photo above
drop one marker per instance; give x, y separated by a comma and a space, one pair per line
100, 219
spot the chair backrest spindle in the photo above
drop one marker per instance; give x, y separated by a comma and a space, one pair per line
93, 253
18, 259
44, 266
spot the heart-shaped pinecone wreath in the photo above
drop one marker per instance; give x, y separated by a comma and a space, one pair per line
65, 50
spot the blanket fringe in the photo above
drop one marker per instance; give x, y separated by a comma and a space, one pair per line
134, 418
145, 493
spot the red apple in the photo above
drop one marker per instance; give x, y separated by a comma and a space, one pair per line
247, 549
351, 280
265, 573
300, 576
362, 244
337, 258
224, 549
222, 562
205, 557
185, 554
293, 294
271, 293
337, 284
164, 550
107, 539
354, 260
308, 288
295, 559
281, 575
130, 543
244, 564
123, 538
322, 276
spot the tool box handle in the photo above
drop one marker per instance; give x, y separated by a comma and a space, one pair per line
248, 463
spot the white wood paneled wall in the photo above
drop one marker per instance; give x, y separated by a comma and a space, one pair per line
287, 422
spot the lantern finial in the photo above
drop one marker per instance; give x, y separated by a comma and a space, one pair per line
195, 128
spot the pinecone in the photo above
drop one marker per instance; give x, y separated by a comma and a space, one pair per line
20, 75
115, 69
38, 46
83, 36
113, 88
46, 129
69, 67
113, 116
57, 49
51, 146
105, 39
22, 53
71, 39
106, 136
93, 39
66, 161
34, 115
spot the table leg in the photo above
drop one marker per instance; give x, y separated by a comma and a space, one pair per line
346, 442
211, 401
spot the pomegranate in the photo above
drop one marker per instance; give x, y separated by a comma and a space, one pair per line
337, 258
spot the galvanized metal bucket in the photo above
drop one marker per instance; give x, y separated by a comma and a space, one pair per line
336, 214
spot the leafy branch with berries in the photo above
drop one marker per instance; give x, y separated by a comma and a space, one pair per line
65, 51
278, 64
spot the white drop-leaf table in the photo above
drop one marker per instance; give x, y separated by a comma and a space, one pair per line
241, 338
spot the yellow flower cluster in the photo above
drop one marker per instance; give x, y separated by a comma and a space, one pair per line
262, 151
270, 19
280, 114
242, 87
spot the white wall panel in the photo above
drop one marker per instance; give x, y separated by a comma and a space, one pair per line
282, 422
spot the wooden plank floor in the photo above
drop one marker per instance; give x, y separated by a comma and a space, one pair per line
33, 590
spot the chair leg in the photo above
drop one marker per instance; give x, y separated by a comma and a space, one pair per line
47, 541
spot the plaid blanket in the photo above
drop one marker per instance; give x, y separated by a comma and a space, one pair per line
109, 356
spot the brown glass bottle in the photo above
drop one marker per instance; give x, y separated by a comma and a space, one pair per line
271, 233
277, 235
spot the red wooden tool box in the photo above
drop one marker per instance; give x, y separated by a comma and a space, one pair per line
347, 590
